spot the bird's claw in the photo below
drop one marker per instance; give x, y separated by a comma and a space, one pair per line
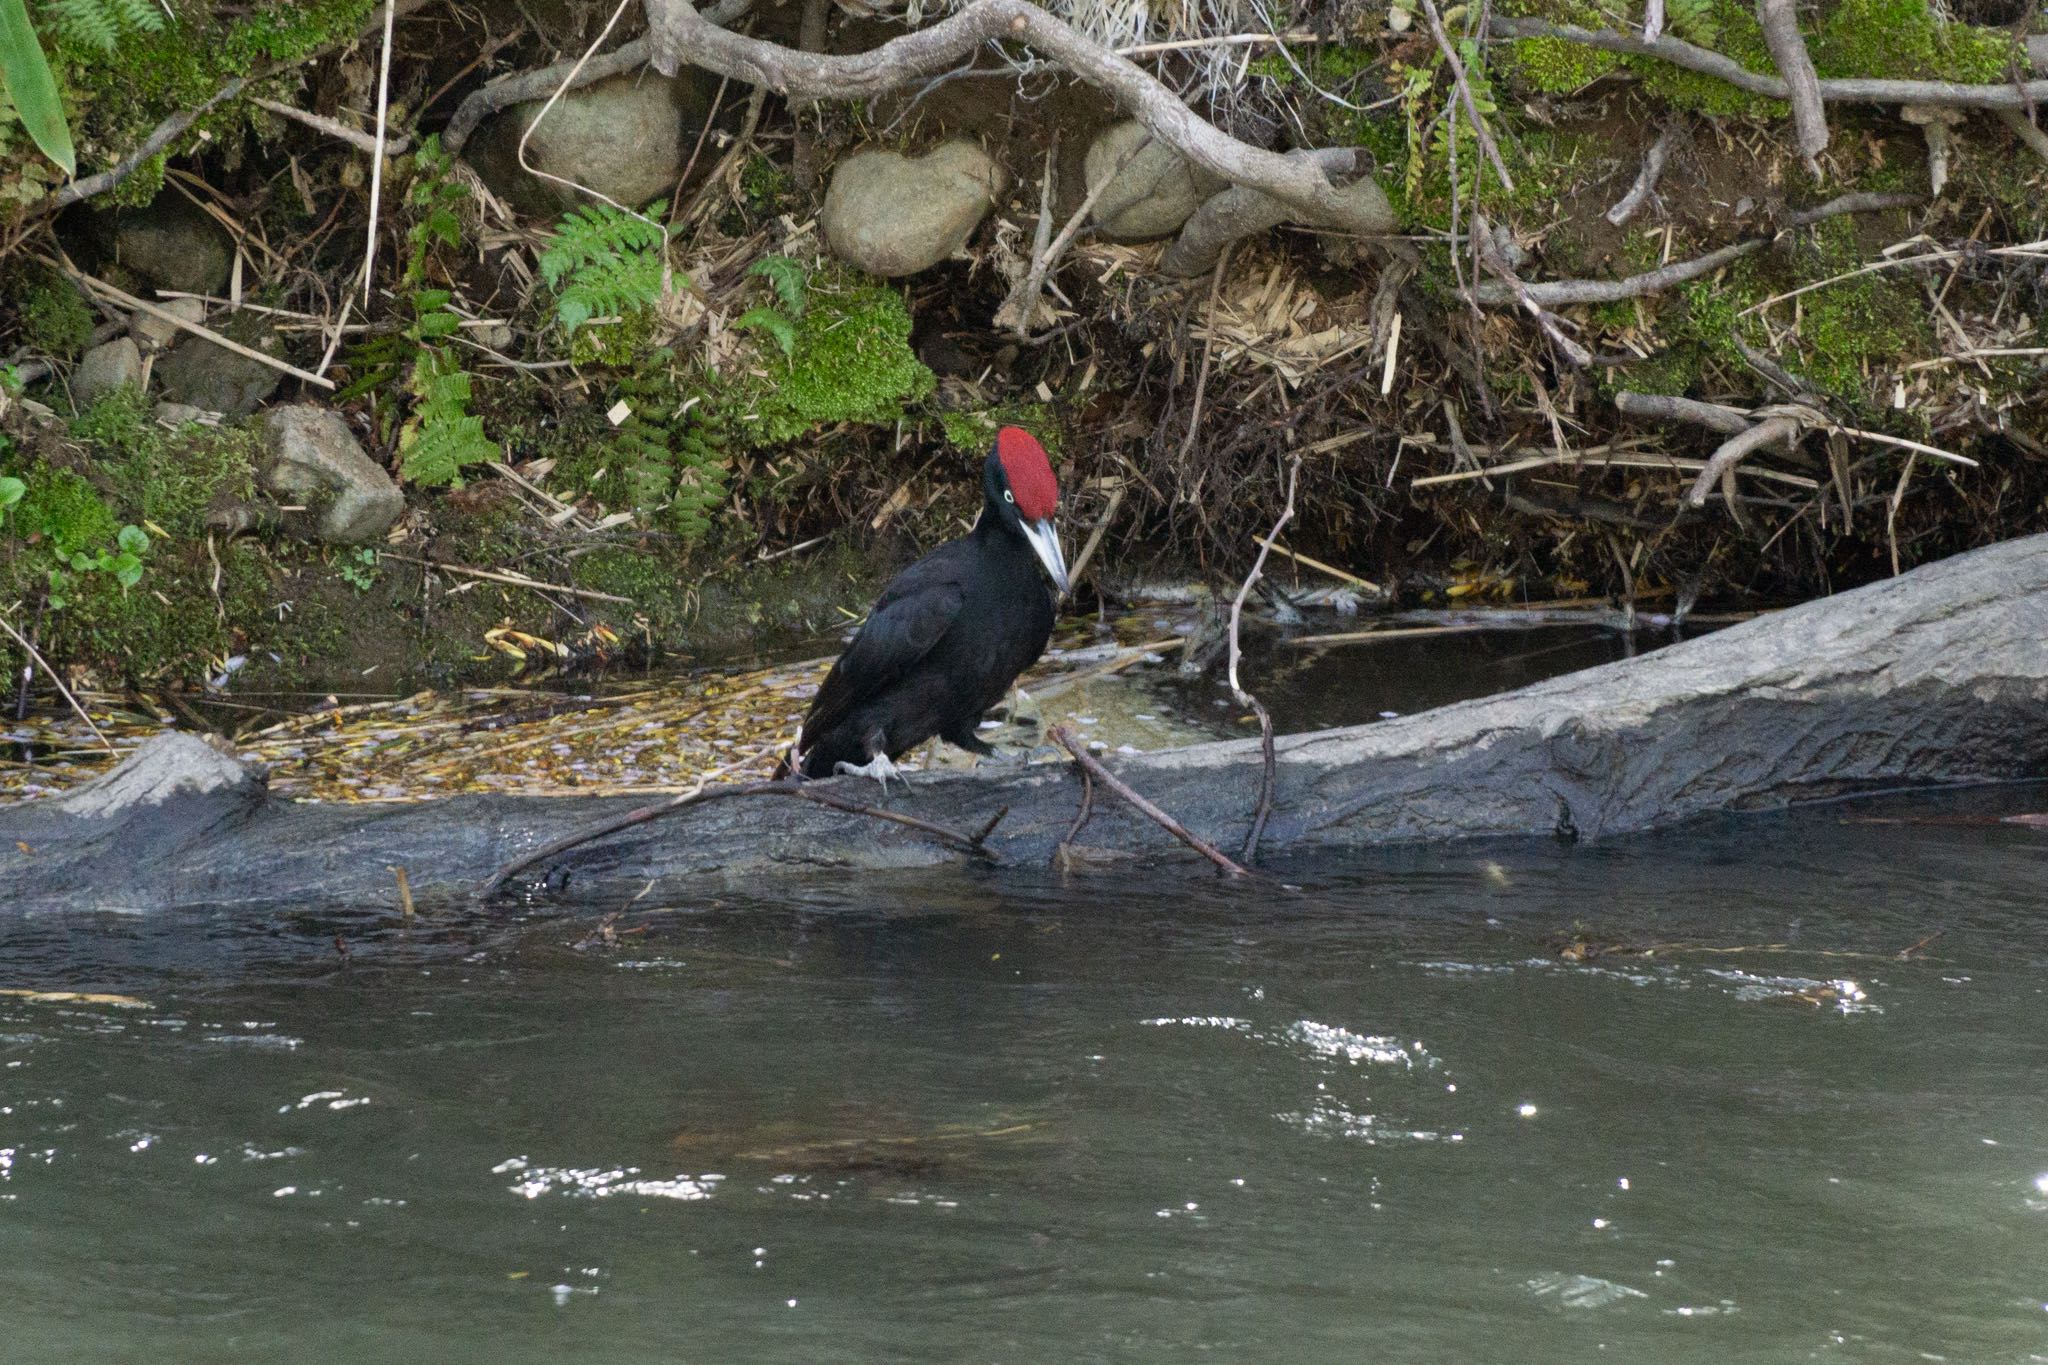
879, 768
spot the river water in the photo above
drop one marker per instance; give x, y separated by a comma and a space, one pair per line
1764, 1089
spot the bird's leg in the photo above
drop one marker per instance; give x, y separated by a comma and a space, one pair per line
879, 767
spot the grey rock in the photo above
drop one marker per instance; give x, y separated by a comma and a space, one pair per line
316, 461
215, 378
179, 414
1157, 191
153, 333
629, 138
113, 365
892, 215
170, 244
167, 767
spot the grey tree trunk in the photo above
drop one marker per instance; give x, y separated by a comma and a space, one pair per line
1934, 678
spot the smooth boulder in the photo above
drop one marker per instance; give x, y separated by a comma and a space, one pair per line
894, 215
1149, 195
316, 462
629, 138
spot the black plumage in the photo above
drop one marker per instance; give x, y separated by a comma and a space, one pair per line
951, 633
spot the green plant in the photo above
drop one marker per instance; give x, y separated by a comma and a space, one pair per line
25, 78
603, 262
11, 491
442, 437
359, 570
435, 196
791, 283
852, 362
123, 561
101, 24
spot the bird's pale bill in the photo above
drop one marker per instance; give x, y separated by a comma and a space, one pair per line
1045, 543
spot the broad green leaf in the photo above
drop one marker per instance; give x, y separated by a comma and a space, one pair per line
134, 540
26, 73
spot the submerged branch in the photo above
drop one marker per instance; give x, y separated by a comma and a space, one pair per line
1092, 766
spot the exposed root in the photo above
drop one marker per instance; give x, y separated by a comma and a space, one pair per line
1780, 22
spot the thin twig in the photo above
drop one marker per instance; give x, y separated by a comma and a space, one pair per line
1269, 761
1362, 584
377, 160
1187, 442
553, 99
1465, 97
1080, 816
1646, 179
127, 300
512, 579
1090, 764
1116, 500
1017, 309
1659, 407
702, 795
36, 655
334, 128
1554, 293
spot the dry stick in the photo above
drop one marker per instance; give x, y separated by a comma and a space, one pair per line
1208, 349
1556, 293
1658, 407
682, 35
1858, 90
35, 655
1092, 766
377, 161
334, 128
1490, 257
515, 580
1653, 20
1116, 500
1269, 761
1721, 464
128, 300
1780, 23
1891, 513
1464, 84
1646, 179
1017, 309
701, 795
1362, 584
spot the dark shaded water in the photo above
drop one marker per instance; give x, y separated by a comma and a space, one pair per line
1148, 1118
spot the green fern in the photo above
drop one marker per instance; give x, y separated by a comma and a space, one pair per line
603, 262
773, 323
442, 437
101, 24
791, 281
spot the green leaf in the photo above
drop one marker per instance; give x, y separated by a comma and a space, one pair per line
431, 301
26, 74
133, 540
127, 571
773, 323
11, 491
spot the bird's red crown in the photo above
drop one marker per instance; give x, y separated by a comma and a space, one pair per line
1029, 472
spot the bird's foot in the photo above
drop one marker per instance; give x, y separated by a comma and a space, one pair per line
879, 767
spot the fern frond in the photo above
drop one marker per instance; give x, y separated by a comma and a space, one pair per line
603, 261
443, 436
790, 281
101, 24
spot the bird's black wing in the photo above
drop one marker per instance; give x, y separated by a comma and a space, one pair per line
910, 617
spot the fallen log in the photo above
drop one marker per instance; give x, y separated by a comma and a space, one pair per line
1937, 677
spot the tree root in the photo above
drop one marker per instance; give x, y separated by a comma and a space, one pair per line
1853, 90
1646, 179
1557, 293
1780, 22
680, 34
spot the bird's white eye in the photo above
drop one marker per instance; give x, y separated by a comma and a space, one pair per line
1008, 496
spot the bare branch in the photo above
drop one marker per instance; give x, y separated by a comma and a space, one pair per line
1780, 23
1856, 90
1092, 766
1269, 761
1465, 96
1657, 407
1646, 179
1556, 293
334, 128
1721, 464
680, 34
